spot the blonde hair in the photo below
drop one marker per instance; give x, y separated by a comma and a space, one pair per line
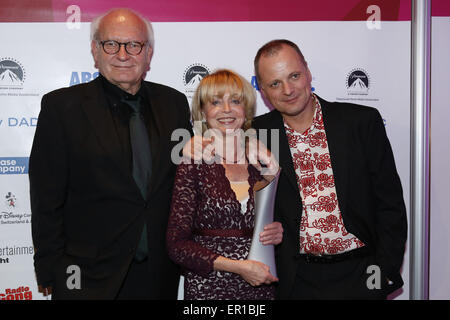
217, 84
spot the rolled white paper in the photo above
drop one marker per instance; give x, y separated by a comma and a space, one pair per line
264, 211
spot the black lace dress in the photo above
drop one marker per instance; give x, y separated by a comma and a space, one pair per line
206, 221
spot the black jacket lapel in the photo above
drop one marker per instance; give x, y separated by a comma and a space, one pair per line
286, 157
98, 112
338, 145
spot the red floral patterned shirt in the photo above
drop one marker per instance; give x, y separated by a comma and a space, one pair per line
322, 230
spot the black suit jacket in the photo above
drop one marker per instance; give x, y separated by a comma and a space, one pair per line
367, 184
87, 211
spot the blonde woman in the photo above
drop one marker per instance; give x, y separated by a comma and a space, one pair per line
212, 212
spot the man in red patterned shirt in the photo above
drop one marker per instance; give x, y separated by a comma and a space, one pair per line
339, 196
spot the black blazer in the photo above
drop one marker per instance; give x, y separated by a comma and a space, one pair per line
87, 210
367, 184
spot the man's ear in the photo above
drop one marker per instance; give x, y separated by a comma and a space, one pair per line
150, 53
309, 75
149, 57
94, 50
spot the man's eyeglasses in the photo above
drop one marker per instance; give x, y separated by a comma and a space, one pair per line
112, 47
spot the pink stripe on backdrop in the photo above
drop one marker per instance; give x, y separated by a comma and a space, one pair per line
203, 10
219, 10
216, 10
440, 8
404, 12
240, 10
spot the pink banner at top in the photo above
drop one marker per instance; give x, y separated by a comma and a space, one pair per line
217, 10
440, 8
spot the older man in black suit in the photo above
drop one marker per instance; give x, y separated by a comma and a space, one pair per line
101, 175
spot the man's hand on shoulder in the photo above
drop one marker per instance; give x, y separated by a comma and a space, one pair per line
198, 149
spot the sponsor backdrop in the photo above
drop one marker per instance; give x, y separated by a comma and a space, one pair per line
357, 51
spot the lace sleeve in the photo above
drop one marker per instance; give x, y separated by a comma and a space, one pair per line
182, 249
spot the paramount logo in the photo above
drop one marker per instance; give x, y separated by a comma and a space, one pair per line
192, 77
358, 82
195, 81
12, 73
9, 78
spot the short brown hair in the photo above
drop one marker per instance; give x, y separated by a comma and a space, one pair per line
271, 48
216, 84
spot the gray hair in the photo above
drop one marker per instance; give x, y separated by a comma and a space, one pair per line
96, 23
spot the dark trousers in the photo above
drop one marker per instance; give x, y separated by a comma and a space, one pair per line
344, 280
137, 282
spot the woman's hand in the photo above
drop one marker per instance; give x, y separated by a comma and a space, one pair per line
255, 273
272, 234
